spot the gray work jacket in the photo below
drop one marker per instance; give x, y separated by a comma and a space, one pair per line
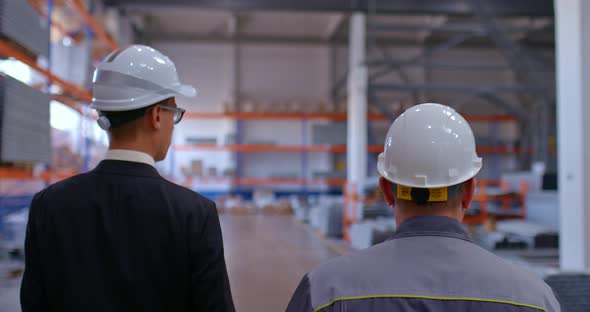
430, 264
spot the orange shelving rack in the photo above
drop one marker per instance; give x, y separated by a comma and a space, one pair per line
260, 148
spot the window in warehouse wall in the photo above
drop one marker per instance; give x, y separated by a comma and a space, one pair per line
64, 137
63, 117
69, 141
66, 119
17, 70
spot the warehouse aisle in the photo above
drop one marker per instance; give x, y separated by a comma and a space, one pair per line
266, 258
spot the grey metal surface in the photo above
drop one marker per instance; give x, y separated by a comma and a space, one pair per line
24, 122
20, 23
451, 7
573, 290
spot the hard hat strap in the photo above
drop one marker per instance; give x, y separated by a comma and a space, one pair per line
422, 195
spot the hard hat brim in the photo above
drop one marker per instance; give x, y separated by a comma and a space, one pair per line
477, 165
187, 91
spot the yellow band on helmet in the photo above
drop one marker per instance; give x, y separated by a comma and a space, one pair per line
440, 194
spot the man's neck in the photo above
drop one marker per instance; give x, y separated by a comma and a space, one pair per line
402, 217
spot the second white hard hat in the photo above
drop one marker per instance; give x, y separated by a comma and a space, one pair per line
429, 146
135, 77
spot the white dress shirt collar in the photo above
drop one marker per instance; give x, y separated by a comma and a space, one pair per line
129, 155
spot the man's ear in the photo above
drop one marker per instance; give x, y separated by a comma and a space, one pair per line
154, 117
387, 190
469, 191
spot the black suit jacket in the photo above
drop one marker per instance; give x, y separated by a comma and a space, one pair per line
122, 238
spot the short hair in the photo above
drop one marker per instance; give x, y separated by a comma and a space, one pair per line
119, 119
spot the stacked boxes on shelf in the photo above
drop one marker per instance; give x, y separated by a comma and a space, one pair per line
20, 23
25, 134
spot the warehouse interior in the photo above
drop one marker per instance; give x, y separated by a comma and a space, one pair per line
294, 101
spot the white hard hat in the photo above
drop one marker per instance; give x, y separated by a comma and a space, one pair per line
429, 146
135, 77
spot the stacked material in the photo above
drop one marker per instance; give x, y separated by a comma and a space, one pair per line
25, 134
377, 210
518, 234
13, 230
301, 209
262, 204
327, 216
20, 23
235, 205
501, 241
371, 232
535, 235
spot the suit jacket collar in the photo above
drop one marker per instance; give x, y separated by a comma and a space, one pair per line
126, 168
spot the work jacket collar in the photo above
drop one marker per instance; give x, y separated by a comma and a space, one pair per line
432, 226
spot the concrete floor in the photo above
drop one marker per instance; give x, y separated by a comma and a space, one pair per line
266, 258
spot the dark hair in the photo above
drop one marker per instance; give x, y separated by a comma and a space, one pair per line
118, 119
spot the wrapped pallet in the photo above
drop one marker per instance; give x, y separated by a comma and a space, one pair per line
25, 134
21, 24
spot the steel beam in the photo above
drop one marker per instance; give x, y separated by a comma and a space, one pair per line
375, 100
477, 28
465, 88
447, 7
492, 97
399, 70
452, 42
156, 36
517, 56
335, 24
439, 65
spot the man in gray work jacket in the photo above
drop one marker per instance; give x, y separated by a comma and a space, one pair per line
430, 264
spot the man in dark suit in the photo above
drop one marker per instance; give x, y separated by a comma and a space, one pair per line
121, 237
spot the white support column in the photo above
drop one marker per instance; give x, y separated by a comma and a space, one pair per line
235, 74
573, 112
357, 102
